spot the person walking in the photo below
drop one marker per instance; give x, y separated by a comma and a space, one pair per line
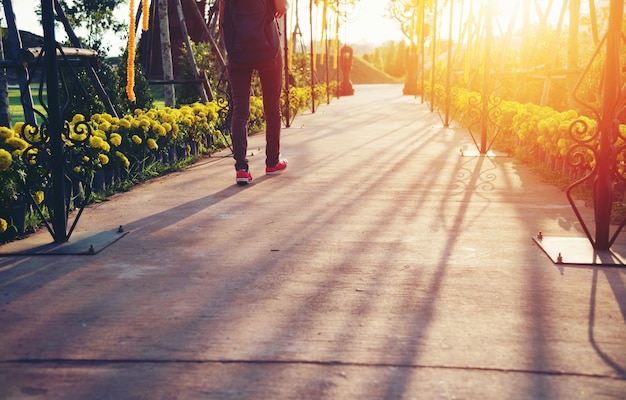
251, 37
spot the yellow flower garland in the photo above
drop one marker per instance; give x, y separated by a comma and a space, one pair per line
130, 67
145, 10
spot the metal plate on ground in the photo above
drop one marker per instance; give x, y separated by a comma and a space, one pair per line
579, 250
469, 151
80, 243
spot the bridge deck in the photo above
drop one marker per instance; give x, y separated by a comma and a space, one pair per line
380, 265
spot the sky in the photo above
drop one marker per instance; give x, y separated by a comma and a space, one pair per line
366, 24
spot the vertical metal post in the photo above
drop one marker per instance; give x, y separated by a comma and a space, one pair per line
55, 125
286, 68
603, 187
486, 77
312, 56
433, 45
337, 43
327, 66
422, 49
446, 121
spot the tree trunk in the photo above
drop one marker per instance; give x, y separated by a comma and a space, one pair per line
166, 51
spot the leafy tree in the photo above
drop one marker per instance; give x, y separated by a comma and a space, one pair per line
144, 97
97, 17
189, 93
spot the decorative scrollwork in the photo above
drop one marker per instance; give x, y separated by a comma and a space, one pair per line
494, 111
36, 159
223, 101
579, 131
483, 115
474, 113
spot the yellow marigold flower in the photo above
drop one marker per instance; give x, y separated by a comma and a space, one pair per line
38, 196
138, 111
5, 160
17, 143
3, 225
78, 118
100, 133
104, 126
571, 114
161, 131
18, 127
77, 169
175, 129
152, 144
136, 139
97, 143
167, 126
115, 139
104, 159
78, 137
124, 123
32, 155
5, 133
145, 122
123, 158
85, 159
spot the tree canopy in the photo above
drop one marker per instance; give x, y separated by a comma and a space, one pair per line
97, 17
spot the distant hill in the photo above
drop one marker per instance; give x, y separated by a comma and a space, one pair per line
362, 73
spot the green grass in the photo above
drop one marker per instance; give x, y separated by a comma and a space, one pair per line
17, 110
159, 96
15, 104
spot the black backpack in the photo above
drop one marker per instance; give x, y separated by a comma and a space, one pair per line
250, 30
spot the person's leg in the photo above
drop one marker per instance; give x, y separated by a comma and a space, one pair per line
271, 74
240, 77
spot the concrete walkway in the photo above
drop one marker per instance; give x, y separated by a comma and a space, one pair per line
380, 265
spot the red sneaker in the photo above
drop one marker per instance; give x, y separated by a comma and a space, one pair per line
282, 164
243, 177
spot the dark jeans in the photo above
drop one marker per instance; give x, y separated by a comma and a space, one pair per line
240, 76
